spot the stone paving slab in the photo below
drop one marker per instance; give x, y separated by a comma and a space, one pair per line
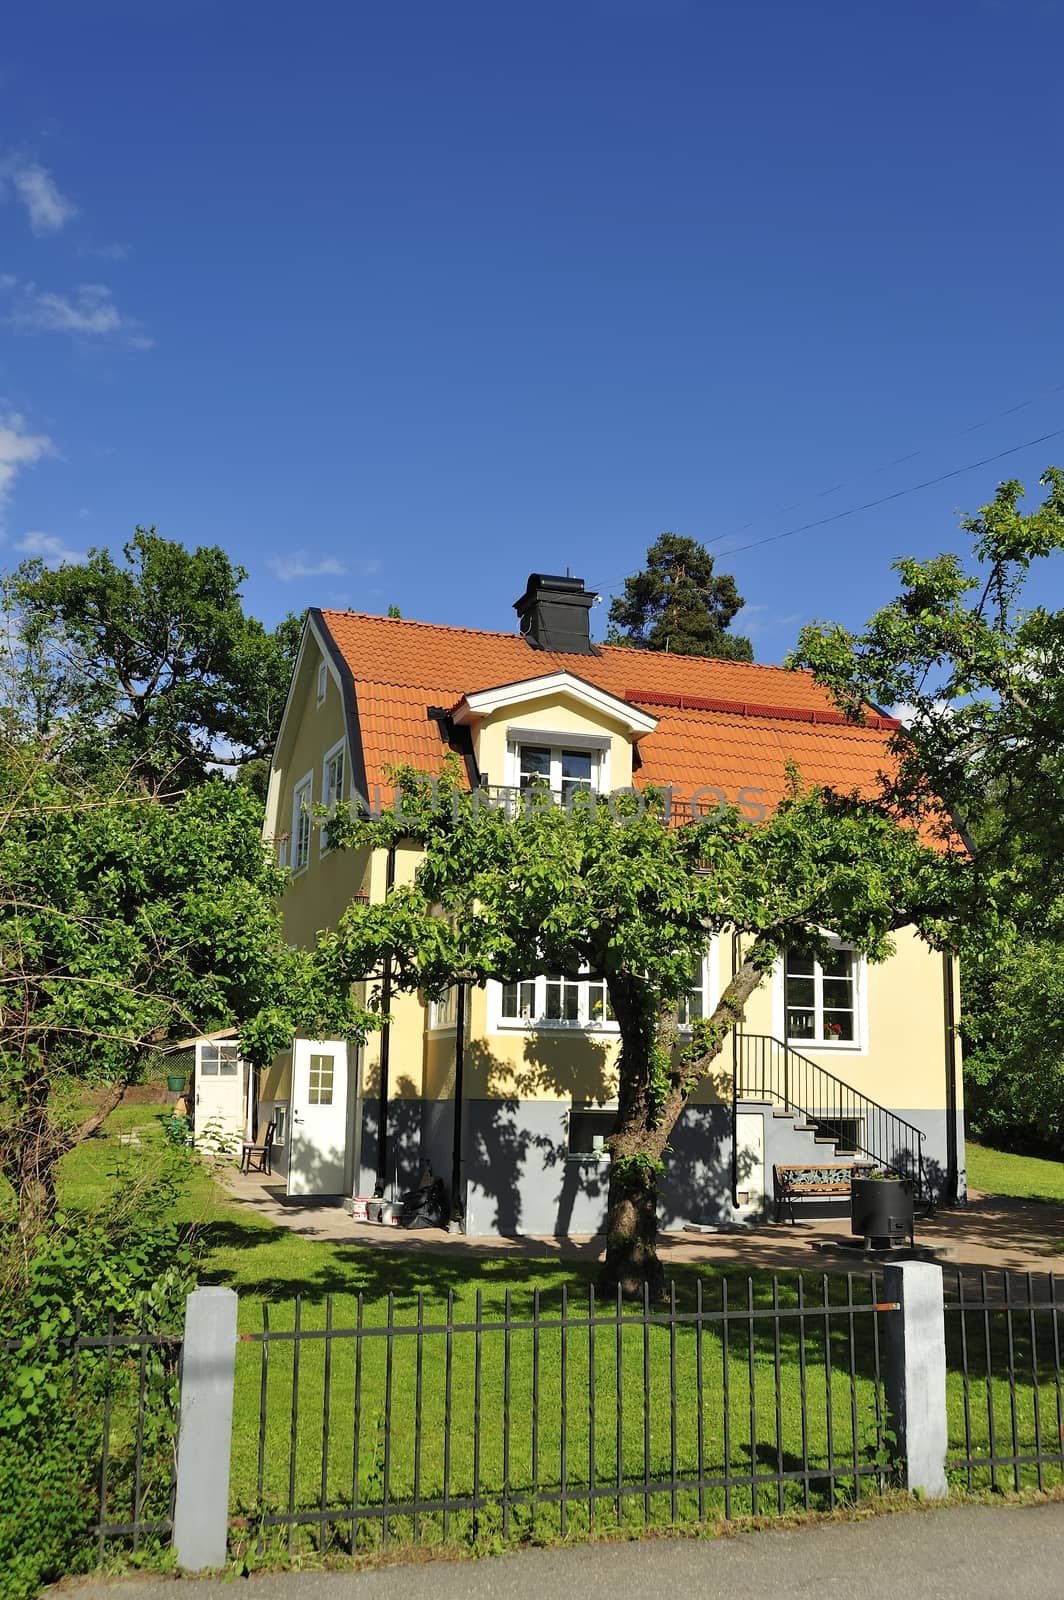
991, 1233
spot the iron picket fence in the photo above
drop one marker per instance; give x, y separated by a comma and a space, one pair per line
558, 1417
126, 1390
1005, 1401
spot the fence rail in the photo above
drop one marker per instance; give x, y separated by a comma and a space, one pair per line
556, 1420
126, 1388
355, 1423
1003, 1343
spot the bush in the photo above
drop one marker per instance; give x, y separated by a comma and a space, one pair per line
129, 1269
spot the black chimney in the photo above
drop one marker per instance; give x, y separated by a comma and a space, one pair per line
554, 614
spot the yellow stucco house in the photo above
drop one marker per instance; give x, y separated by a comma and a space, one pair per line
506, 1090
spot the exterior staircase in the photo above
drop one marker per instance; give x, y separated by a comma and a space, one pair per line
837, 1116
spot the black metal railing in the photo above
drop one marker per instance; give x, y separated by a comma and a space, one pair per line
1005, 1402
555, 1417
125, 1391
770, 1072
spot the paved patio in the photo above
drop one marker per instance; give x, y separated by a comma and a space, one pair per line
990, 1233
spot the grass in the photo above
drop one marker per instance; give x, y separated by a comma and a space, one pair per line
1023, 1177
792, 1413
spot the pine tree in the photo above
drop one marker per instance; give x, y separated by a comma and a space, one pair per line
678, 604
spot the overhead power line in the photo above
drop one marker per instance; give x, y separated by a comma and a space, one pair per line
869, 505
610, 585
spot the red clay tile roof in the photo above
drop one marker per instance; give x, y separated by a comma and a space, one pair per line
725, 723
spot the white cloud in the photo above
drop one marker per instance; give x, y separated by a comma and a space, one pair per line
18, 449
90, 313
297, 566
48, 209
50, 549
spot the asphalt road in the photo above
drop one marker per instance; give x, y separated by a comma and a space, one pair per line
961, 1553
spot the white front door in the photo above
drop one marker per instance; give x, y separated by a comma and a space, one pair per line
750, 1162
317, 1154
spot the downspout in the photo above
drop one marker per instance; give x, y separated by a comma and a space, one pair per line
735, 1086
386, 1043
950, 1017
457, 1198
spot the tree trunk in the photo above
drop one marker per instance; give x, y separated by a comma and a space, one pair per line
653, 1094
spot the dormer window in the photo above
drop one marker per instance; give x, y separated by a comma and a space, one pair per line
564, 772
567, 765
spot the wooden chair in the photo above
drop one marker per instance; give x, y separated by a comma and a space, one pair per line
260, 1153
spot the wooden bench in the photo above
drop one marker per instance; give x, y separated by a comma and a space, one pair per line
812, 1181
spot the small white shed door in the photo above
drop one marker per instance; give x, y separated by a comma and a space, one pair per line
318, 1138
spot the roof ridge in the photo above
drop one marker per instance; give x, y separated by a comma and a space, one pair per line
614, 649
418, 622
762, 666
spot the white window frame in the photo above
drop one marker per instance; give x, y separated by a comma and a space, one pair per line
709, 986
328, 797
857, 1046
443, 1014
323, 682
303, 790
228, 1051
279, 1118
498, 1023
595, 745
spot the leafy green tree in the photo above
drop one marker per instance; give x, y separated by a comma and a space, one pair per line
613, 890
678, 603
979, 670
127, 921
1013, 1029
980, 676
155, 656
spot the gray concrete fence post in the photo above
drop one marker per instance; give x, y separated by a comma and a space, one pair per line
915, 1374
208, 1375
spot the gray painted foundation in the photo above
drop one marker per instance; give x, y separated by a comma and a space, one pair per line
518, 1177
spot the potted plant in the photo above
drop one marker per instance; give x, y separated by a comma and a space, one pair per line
881, 1207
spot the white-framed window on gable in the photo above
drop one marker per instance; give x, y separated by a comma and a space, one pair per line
323, 681
302, 799
822, 999
332, 784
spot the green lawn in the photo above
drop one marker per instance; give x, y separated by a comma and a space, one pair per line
1023, 1177
756, 1397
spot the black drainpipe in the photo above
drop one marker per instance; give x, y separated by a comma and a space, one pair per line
735, 1086
457, 1207
950, 1010
386, 1042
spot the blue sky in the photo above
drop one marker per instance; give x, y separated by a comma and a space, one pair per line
397, 302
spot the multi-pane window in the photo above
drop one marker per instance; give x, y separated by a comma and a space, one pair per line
301, 803
567, 773
219, 1060
820, 998
443, 1013
695, 1003
556, 1000
332, 786
320, 1086
332, 789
